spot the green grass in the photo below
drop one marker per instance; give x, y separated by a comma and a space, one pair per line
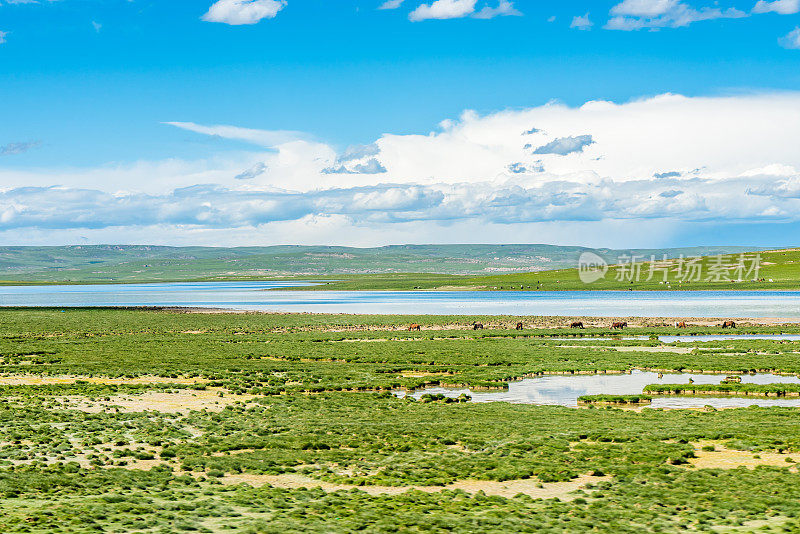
615, 399
142, 263
66, 470
780, 271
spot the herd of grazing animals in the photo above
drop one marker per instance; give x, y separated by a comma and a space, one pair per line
617, 325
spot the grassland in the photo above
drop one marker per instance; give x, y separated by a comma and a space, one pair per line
152, 421
142, 263
779, 270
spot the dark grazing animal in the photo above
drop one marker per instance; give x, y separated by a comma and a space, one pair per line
519, 326
576, 324
477, 326
619, 325
681, 324
414, 326
728, 324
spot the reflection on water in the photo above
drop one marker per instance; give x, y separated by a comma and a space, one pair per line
732, 337
253, 296
565, 390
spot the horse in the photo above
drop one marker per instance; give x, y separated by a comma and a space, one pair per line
519, 326
728, 324
415, 326
576, 324
477, 326
681, 325
619, 325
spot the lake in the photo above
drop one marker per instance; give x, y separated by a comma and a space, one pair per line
267, 296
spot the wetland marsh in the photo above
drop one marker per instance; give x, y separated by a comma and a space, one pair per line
125, 420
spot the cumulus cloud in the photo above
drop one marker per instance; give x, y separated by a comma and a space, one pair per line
788, 188
638, 14
454, 9
443, 9
470, 173
370, 166
783, 7
12, 149
357, 159
238, 12
215, 207
672, 193
504, 8
253, 172
791, 40
521, 168
565, 145
582, 23
3, 37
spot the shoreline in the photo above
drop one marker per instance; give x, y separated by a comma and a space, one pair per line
637, 321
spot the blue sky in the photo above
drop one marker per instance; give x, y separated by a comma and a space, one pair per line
87, 87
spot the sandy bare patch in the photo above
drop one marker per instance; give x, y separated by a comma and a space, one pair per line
509, 488
160, 401
676, 350
37, 380
422, 374
724, 458
456, 288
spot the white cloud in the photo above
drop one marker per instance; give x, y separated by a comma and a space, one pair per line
238, 12
3, 39
565, 145
12, 149
638, 14
443, 9
669, 158
253, 172
504, 8
644, 8
582, 22
783, 7
391, 4
453, 9
265, 138
791, 39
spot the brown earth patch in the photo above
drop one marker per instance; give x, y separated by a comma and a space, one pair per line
508, 488
182, 401
37, 380
724, 458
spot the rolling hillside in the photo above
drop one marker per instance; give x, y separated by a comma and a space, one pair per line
140, 263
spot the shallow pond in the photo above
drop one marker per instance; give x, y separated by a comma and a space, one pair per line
564, 390
687, 338
731, 337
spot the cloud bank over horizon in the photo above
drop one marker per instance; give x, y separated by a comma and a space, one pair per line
544, 174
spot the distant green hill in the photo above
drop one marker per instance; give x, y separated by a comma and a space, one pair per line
136, 263
776, 269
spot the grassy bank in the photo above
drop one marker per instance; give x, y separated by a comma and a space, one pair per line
753, 390
780, 270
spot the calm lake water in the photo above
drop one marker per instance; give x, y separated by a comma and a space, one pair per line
266, 296
565, 390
